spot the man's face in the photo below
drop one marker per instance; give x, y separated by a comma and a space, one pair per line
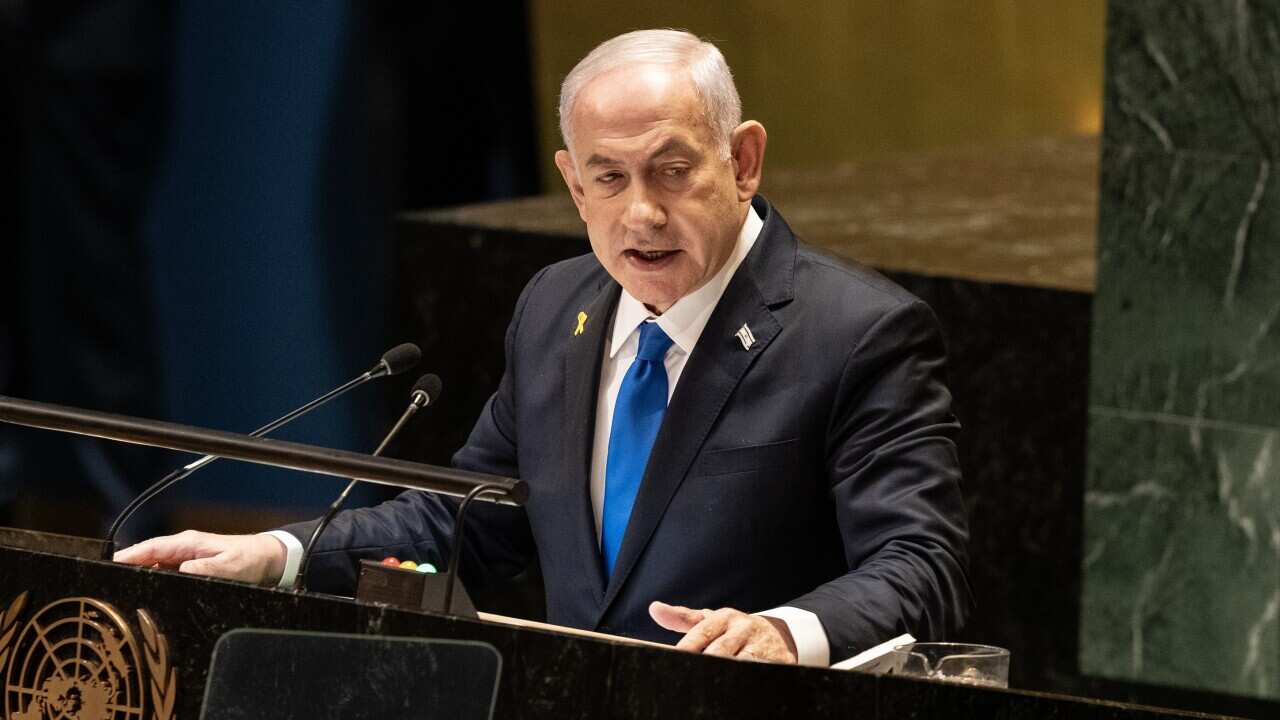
663, 208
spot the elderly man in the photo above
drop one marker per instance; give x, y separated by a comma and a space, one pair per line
708, 413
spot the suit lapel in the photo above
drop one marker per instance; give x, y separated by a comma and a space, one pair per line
713, 371
581, 379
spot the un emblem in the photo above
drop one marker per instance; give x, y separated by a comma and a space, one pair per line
78, 659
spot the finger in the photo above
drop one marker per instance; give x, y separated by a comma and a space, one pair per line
732, 641
165, 550
140, 554
704, 633
675, 617
202, 566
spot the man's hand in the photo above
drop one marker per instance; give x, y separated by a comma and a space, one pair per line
251, 558
727, 632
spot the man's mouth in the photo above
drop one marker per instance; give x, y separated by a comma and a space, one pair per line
649, 258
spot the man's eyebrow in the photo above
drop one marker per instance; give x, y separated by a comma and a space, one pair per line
597, 160
674, 145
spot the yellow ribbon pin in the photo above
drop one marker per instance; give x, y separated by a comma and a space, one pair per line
582, 320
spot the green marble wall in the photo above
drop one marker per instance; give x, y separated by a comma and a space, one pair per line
1182, 502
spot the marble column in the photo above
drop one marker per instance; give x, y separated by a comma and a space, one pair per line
1182, 504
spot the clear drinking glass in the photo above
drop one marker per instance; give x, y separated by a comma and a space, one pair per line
964, 663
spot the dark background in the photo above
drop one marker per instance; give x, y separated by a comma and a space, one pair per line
199, 229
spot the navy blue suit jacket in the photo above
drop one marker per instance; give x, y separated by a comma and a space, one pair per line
816, 469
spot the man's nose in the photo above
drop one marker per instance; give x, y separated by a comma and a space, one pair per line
644, 213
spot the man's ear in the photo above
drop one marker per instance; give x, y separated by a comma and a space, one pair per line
565, 162
747, 146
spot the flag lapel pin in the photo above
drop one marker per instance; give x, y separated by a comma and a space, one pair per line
745, 337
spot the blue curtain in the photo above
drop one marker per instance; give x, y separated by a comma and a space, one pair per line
266, 254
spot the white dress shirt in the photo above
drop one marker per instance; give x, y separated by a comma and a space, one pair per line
683, 323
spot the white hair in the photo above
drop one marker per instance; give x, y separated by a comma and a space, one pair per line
712, 80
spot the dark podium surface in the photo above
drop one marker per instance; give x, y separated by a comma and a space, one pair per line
167, 624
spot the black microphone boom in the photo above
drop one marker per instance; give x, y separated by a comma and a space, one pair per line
393, 362
426, 390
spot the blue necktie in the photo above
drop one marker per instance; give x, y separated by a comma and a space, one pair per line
637, 415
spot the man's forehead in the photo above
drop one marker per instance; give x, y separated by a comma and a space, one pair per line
629, 103
636, 86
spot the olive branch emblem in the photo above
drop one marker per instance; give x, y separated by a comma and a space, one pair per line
9, 627
164, 679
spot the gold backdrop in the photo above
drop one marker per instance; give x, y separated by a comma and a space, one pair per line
849, 80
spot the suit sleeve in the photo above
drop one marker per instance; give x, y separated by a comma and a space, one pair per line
419, 525
895, 483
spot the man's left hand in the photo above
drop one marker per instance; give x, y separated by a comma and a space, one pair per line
727, 632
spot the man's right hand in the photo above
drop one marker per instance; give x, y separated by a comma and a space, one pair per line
250, 558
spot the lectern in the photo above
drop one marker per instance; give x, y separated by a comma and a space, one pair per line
92, 639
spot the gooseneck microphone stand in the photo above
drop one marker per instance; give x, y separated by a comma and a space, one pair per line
424, 391
395, 361
455, 549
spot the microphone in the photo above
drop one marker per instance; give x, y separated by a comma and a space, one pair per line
398, 359
425, 391
393, 362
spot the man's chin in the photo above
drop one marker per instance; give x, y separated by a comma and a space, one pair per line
658, 301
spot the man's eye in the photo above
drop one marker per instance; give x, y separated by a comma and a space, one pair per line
675, 172
608, 178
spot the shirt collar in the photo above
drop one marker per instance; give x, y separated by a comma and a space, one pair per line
683, 321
